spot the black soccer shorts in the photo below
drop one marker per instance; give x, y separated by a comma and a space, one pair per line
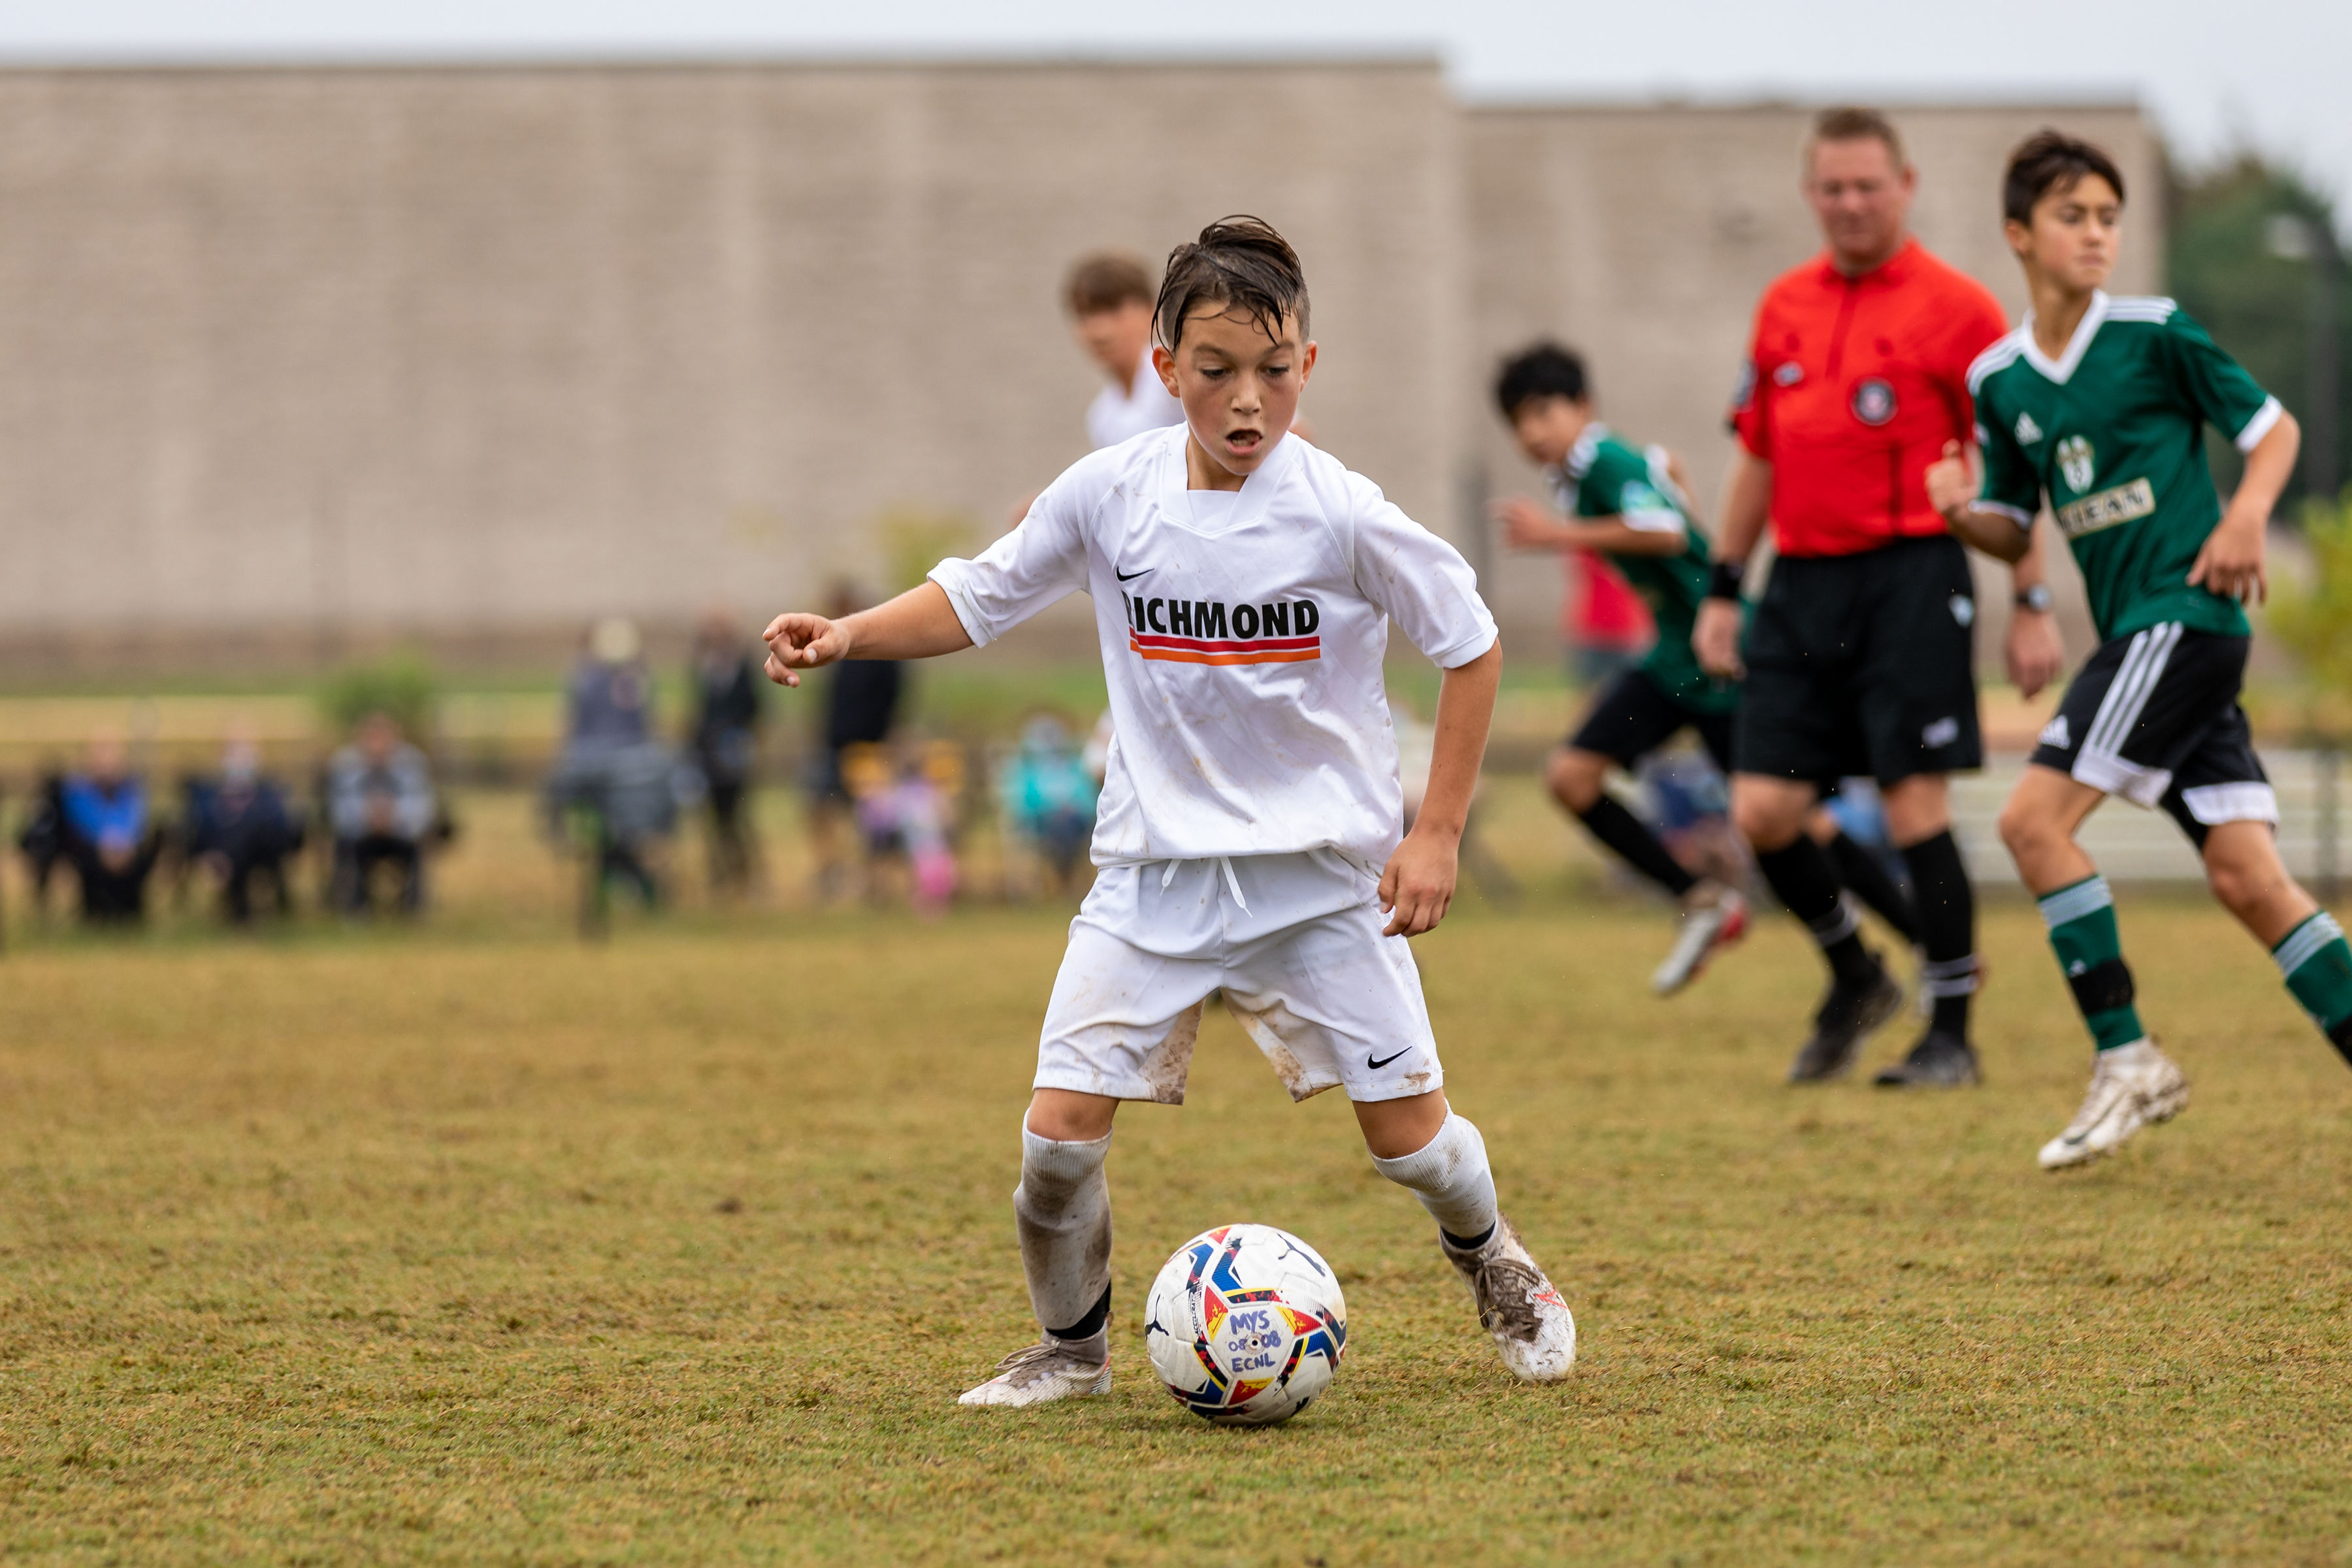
2154, 718
1864, 665
1634, 716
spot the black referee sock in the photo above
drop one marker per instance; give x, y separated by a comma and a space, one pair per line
1864, 876
1801, 874
1636, 845
1947, 928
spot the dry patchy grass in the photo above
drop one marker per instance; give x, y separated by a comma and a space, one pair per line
422, 1247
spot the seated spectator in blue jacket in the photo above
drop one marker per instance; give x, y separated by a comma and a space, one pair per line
241, 828
381, 808
108, 835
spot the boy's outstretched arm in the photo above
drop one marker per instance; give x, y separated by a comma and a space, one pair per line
1417, 884
917, 624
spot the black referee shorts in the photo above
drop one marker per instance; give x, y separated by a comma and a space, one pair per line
1634, 717
1864, 665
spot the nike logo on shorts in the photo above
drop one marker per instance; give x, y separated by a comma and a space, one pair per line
1377, 1062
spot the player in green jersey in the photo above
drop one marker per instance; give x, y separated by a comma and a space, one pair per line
1628, 504
2099, 403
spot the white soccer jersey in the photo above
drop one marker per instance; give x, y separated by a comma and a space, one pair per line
1146, 405
1242, 634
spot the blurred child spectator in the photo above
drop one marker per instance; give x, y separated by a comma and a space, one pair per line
728, 685
909, 816
1046, 794
107, 833
860, 709
381, 809
43, 839
611, 697
240, 828
614, 780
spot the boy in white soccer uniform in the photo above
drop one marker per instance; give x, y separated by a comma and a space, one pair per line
1249, 832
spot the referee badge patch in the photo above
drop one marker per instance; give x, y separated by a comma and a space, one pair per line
1874, 402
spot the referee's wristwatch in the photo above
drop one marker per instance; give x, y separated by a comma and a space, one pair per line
2034, 598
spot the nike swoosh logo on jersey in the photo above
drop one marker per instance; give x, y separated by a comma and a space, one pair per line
1130, 576
1376, 1063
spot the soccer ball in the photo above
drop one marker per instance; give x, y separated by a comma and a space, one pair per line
1246, 1325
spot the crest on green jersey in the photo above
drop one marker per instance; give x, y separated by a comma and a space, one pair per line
2078, 462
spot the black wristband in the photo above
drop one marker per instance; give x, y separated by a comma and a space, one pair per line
1724, 579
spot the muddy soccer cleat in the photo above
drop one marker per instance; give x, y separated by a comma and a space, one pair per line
1714, 917
1530, 1324
2131, 1086
1847, 1016
1040, 1373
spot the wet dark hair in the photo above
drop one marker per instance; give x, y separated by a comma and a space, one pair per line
2051, 160
1241, 263
1539, 370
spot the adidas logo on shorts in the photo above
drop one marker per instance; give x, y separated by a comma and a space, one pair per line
2055, 734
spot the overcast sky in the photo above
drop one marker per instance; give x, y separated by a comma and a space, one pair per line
2274, 74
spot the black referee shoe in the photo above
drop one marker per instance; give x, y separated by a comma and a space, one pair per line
1939, 1061
1847, 1016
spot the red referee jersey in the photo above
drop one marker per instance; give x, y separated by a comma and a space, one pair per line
1852, 387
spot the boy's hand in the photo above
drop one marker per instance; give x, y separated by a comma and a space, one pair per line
1525, 524
1950, 486
1715, 639
797, 642
2033, 651
2230, 564
1417, 886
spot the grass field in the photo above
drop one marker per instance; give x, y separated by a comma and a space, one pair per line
473, 1244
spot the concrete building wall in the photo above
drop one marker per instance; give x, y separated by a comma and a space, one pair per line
1644, 236
294, 357
292, 361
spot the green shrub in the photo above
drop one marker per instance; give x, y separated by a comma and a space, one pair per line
400, 684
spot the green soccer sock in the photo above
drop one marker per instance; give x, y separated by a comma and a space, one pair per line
2318, 969
2082, 920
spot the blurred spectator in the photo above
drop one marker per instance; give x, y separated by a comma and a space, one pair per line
612, 690
908, 816
861, 708
240, 828
728, 687
1048, 794
381, 808
1607, 626
107, 834
43, 839
617, 786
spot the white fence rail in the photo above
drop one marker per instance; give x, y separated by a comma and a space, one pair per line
2132, 845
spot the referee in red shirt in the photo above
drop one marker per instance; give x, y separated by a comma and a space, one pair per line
1860, 658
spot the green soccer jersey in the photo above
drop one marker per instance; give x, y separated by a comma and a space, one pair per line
1603, 477
2113, 432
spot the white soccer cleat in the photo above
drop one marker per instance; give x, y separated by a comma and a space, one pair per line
1705, 928
1040, 1373
2131, 1086
1531, 1325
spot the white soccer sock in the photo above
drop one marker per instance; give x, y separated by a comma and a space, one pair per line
1450, 1176
1063, 1210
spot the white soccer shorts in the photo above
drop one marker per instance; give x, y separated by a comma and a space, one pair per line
1293, 942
